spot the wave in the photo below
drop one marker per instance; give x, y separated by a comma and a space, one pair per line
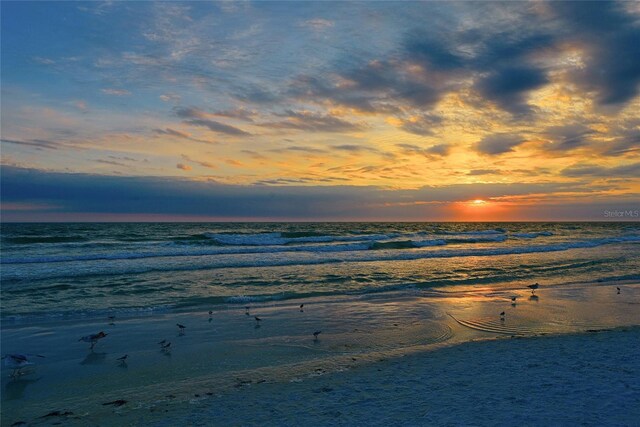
531, 235
288, 238
274, 259
28, 240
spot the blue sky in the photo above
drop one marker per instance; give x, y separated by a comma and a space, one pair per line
337, 110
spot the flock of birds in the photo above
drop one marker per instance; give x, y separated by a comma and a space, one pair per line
17, 362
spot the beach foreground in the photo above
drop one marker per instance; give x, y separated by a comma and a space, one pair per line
566, 355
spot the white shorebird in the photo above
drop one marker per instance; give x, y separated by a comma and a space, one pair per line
18, 361
93, 338
533, 287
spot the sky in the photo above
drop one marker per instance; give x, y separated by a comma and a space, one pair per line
312, 111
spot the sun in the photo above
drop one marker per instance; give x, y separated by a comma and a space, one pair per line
478, 202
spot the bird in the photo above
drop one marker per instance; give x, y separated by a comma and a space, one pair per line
513, 300
533, 287
93, 338
163, 342
618, 288
111, 320
123, 359
301, 308
210, 312
246, 310
181, 328
18, 361
315, 335
502, 315
257, 319
166, 347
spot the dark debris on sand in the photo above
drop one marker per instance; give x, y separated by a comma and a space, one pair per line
57, 414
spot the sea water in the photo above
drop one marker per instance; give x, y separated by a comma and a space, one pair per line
91, 270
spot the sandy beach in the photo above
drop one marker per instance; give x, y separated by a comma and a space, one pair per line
563, 356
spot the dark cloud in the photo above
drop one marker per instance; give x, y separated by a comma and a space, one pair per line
568, 137
312, 122
589, 170
217, 127
434, 150
353, 148
508, 87
172, 132
74, 193
436, 54
301, 148
422, 125
498, 143
611, 39
478, 172
37, 143
439, 149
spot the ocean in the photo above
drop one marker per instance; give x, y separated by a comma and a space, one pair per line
90, 270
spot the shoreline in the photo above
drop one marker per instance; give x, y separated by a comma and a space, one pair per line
231, 351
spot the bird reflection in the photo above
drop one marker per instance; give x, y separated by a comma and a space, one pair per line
533, 298
15, 388
94, 359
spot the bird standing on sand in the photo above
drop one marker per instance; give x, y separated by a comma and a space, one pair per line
111, 320
17, 362
93, 338
181, 328
258, 320
123, 359
618, 290
301, 308
315, 335
165, 346
502, 316
513, 300
246, 310
534, 287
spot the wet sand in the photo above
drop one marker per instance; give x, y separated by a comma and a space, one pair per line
379, 358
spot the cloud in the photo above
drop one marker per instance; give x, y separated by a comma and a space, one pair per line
197, 162
434, 150
317, 24
172, 132
590, 170
183, 167
37, 143
301, 148
610, 38
312, 122
568, 137
498, 143
478, 172
116, 92
509, 86
216, 126
422, 124
75, 194
198, 117
170, 97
